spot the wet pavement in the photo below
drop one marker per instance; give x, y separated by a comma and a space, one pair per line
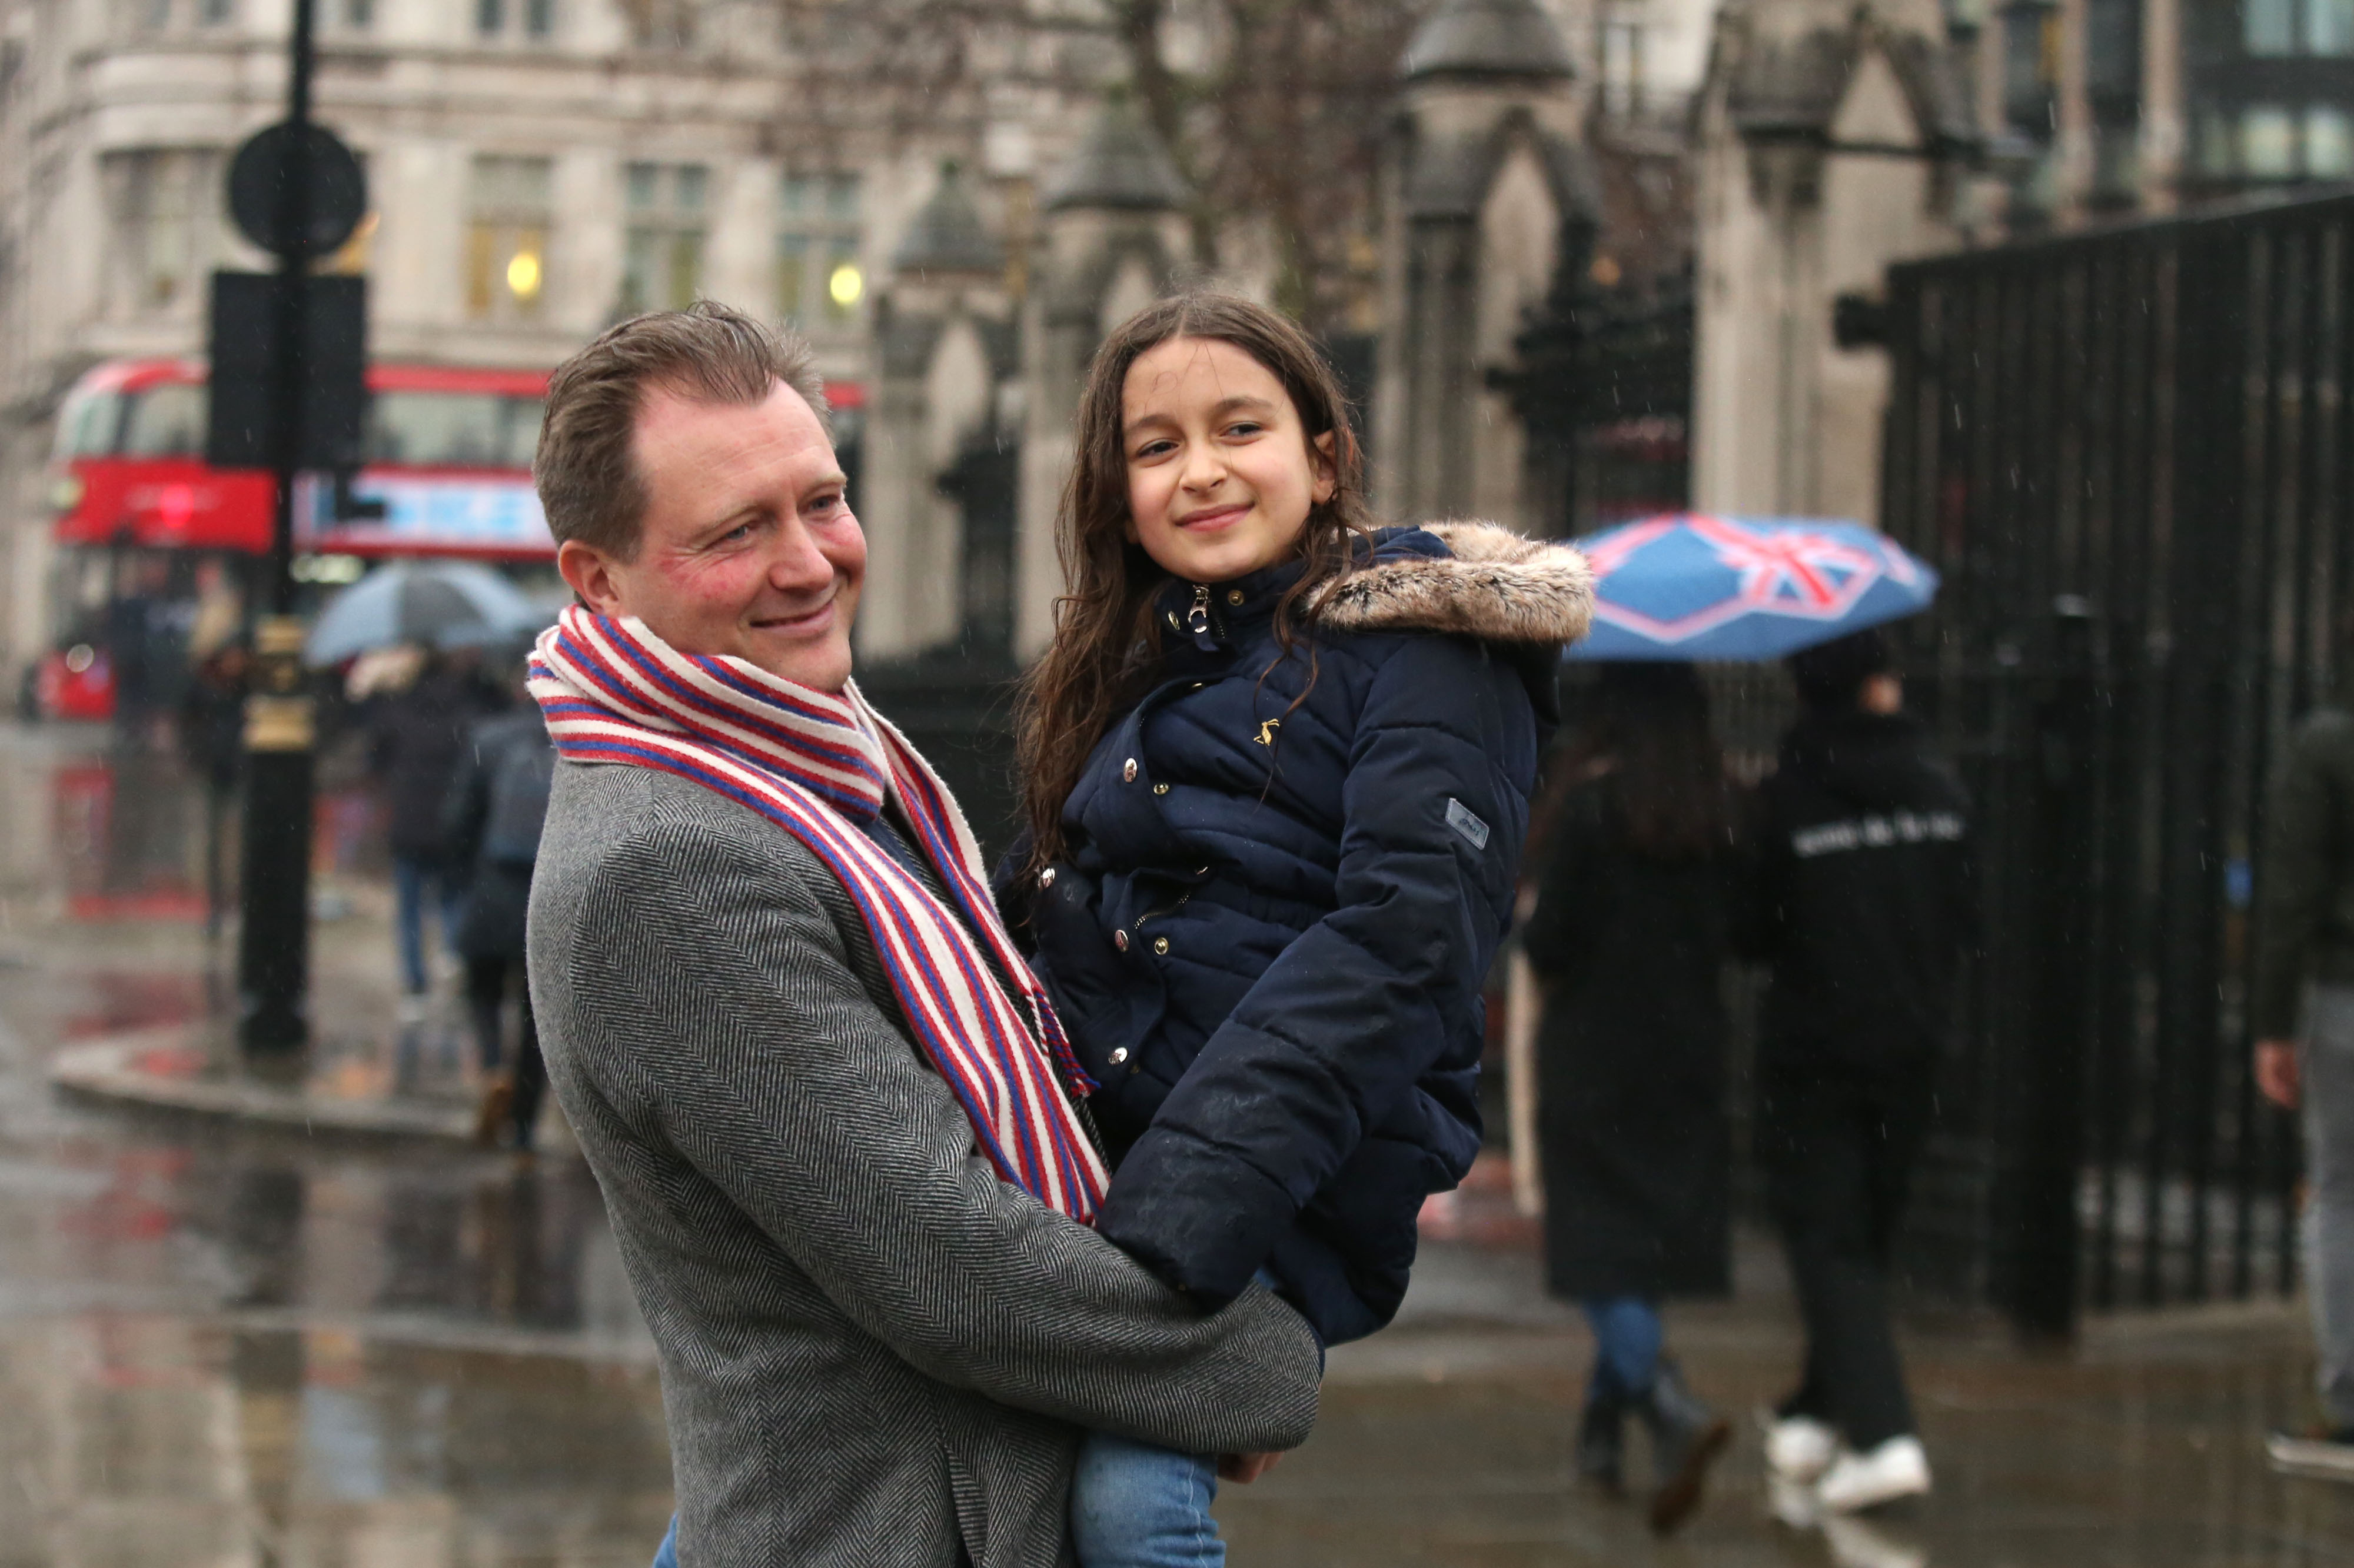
224, 1343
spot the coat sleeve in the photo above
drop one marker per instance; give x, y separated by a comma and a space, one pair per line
2301, 841
729, 1024
1334, 1033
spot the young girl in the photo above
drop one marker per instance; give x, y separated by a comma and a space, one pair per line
1277, 763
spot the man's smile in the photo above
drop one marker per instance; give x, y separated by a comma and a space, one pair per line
812, 622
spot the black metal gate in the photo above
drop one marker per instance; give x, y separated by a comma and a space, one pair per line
1603, 385
2128, 453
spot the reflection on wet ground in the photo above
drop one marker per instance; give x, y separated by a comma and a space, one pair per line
146, 1439
225, 1346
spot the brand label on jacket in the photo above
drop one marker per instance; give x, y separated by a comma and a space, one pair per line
1461, 818
1877, 833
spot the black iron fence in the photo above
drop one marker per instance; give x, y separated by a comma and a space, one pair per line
1604, 382
2127, 452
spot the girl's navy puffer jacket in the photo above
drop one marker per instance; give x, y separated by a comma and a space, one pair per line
1270, 934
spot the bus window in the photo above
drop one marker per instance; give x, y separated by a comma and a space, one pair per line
90, 425
166, 420
452, 429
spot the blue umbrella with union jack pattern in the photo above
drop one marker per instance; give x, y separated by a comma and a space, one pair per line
1687, 585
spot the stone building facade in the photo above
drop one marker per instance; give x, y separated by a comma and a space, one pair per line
538, 168
1488, 193
1834, 139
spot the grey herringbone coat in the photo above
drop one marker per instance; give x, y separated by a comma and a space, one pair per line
872, 1350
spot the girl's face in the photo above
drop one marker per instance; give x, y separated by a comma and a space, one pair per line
1221, 475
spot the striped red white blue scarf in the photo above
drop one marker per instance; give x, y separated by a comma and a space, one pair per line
818, 766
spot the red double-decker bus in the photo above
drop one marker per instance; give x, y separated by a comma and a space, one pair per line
446, 469
447, 450
139, 511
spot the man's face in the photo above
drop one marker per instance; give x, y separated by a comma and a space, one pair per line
747, 546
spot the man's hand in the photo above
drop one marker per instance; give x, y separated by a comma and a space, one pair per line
1243, 1468
2276, 1071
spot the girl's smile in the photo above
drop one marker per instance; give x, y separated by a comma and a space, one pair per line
1221, 475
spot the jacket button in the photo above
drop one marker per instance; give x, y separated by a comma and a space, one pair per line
1172, 618
1119, 1055
1161, 789
1233, 595
1160, 945
1120, 941
1128, 771
1046, 878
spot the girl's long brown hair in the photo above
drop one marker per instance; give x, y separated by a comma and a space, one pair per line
1105, 639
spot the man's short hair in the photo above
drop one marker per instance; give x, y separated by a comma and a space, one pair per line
586, 467
1830, 675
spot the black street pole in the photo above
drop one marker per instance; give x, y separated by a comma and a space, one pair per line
274, 939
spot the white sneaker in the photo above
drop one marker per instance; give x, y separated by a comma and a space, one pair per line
1792, 1502
2326, 1457
1797, 1447
1856, 1543
1897, 1468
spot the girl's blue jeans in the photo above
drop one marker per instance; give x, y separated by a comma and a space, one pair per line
1137, 1506
1626, 1337
1134, 1505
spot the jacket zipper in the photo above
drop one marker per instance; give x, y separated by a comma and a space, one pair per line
1166, 910
1197, 619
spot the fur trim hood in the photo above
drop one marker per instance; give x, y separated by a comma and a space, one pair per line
1493, 584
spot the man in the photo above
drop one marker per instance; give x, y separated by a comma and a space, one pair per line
831, 1126
2305, 939
1864, 909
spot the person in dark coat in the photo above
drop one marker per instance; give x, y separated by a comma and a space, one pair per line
1636, 892
212, 738
417, 735
1279, 764
1864, 911
497, 801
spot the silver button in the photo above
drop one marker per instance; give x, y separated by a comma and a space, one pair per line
1160, 945
1119, 1055
1120, 941
1172, 618
1046, 878
1128, 771
1161, 789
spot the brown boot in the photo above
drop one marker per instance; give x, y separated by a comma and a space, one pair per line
498, 1105
1686, 1437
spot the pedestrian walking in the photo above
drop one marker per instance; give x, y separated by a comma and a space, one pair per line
416, 737
212, 740
1277, 763
1864, 907
1639, 885
491, 824
2305, 965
